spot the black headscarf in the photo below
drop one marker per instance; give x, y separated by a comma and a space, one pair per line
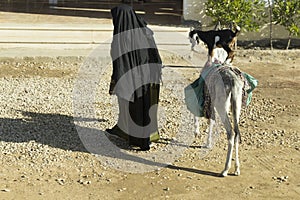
136, 60
125, 18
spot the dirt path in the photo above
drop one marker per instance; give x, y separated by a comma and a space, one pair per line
43, 158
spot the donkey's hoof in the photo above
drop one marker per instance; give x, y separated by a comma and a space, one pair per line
237, 173
223, 174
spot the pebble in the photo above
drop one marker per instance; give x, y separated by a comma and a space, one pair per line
281, 178
122, 189
5, 190
83, 182
61, 181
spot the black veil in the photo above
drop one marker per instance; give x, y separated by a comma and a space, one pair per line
125, 18
136, 60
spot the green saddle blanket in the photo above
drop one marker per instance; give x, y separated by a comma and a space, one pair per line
194, 92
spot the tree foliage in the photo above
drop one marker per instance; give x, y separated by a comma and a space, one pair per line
246, 13
287, 14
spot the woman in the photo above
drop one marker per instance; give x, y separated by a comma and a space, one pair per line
135, 78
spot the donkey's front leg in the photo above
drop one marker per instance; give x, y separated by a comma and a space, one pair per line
196, 124
210, 133
229, 155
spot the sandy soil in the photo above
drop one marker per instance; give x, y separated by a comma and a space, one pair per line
269, 153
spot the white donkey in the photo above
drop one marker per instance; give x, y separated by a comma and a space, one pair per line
225, 90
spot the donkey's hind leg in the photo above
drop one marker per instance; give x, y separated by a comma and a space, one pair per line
237, 171
230, 138
222, 109
236, 111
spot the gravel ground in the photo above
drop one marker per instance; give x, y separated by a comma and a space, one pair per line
41, 148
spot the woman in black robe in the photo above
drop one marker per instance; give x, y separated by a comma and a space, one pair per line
135, 79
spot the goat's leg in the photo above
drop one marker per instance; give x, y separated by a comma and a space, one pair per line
210, 49
208, 62
210, 55
229, 52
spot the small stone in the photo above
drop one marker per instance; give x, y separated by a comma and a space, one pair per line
5, 190
60, 181
121, 189
23, 176
87, 182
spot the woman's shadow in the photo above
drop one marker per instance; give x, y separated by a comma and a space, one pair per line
55, 130
60, 131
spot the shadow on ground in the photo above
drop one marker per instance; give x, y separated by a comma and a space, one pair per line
59, 131
55, 130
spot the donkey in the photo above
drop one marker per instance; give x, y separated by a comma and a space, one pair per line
225, 89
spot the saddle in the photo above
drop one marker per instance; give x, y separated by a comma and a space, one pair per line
197, 97
207, 109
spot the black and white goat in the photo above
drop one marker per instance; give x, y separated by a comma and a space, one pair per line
216, 38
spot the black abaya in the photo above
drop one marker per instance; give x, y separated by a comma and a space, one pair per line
136, 76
